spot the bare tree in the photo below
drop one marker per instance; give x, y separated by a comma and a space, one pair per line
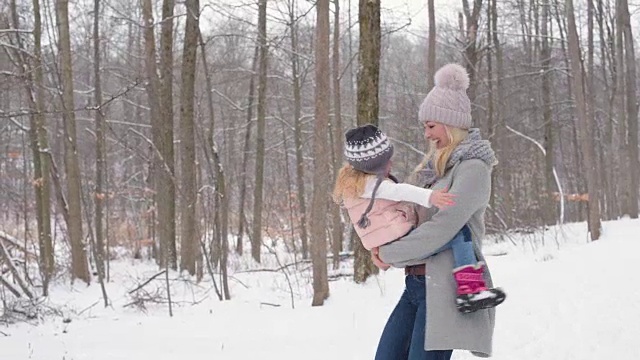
431, 55
245, 155
44, 190
632, 110
584, 130
99, 196
159, 90
31, 71
256, 239
80, 268
368, 105
222, 206
471, 53
153, 94
545, 62
297, 126
188, 237
321, 157
166, 177
336, 138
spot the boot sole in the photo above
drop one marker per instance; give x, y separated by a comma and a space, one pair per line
473, 306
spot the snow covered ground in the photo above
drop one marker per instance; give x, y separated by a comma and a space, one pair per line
567, 299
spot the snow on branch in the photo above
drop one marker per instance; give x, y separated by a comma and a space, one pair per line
4, 253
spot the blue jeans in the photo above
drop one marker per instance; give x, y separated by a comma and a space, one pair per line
403, 336
462, 248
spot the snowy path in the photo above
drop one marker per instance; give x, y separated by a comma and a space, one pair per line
580, 303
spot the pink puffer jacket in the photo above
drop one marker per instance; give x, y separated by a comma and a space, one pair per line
389, 220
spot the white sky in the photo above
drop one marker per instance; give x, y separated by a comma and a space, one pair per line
398, 12
416, 10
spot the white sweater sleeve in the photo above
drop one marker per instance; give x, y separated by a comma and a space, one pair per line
398, 192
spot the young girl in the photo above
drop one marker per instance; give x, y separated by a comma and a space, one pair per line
382, 210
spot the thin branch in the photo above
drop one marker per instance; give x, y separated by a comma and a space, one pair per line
148, 281
11, 288
24, 31
14, 271
409, 146
555, 173
14, 242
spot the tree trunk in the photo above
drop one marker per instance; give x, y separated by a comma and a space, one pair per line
256, 239
632, 111
245, 155
607, 162
79, 265
491, 108
297, 126
188, 237
321, 157
153, 93
470, 52
99, 196
166, 179
33, 74
368, 106
591, 102
223, 208
431, 50
338, 228
584, 130
497, 133
545, 55
44, 191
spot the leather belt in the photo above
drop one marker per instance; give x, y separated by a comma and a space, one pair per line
415, 270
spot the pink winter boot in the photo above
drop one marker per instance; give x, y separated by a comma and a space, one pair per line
472, 293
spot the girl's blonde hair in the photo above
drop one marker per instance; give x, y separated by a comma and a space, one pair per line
350, 183
440, 157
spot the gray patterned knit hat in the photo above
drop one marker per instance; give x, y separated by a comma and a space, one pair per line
368, 149
447, 103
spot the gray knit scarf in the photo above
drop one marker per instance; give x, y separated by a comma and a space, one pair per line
473, 147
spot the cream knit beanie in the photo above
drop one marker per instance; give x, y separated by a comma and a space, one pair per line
447, 103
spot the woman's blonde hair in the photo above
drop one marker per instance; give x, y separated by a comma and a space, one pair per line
350, 183
440, 157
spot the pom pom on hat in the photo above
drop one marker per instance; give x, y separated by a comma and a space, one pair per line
447, 103
453, 77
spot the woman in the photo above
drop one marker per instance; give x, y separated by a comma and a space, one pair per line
425, 324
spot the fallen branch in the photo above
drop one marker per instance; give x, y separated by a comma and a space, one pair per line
270, 304
148, 281
89, 307
11, 288
14, 242
16, 275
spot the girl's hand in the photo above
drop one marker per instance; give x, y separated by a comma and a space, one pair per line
376, 260
441, 198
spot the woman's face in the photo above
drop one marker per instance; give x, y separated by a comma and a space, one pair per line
437, 133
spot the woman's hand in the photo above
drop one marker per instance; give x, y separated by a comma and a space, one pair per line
441, 198
376, 259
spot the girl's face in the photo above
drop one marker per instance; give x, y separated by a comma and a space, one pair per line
437, 133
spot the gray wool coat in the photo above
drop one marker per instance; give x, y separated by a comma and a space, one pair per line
446, 328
